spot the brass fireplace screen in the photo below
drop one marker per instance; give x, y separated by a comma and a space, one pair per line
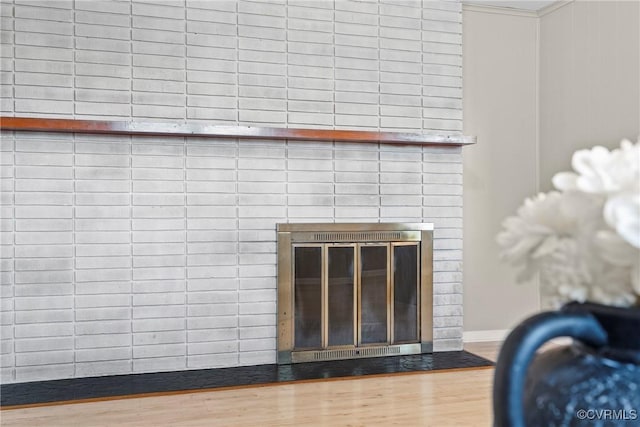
354, 290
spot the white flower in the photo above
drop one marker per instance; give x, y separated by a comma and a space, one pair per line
618, 252
545, 219
534, 223
585, 239
564, 273
601, 171
622, 213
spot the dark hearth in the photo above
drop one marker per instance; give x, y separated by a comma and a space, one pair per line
162, 382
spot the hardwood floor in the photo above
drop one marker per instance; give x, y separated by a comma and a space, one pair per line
488, 350
448, 398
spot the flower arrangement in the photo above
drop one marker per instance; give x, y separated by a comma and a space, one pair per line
584, 238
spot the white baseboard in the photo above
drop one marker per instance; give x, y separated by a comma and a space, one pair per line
483, 336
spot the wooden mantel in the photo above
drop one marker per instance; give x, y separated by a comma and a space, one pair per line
243, 132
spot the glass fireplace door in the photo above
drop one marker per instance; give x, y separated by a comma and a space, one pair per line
405, 290
341, 293
374, 294
308, 296
354, 290
349, 295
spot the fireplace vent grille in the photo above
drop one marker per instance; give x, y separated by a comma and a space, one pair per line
355, 236
353, 353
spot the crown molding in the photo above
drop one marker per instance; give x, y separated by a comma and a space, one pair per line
553, 7
498, 10
475, 7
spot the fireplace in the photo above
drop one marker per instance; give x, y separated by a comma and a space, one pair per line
354, 290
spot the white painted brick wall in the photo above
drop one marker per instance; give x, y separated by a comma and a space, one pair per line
123, 255
387, 64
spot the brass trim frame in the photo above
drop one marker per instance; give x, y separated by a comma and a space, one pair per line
353, 227
426, 295
305, 234
324, 295
285, 298
358, 296
390, 304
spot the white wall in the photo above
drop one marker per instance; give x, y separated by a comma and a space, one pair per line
141, 254
588, 89
500, 88
589, 80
